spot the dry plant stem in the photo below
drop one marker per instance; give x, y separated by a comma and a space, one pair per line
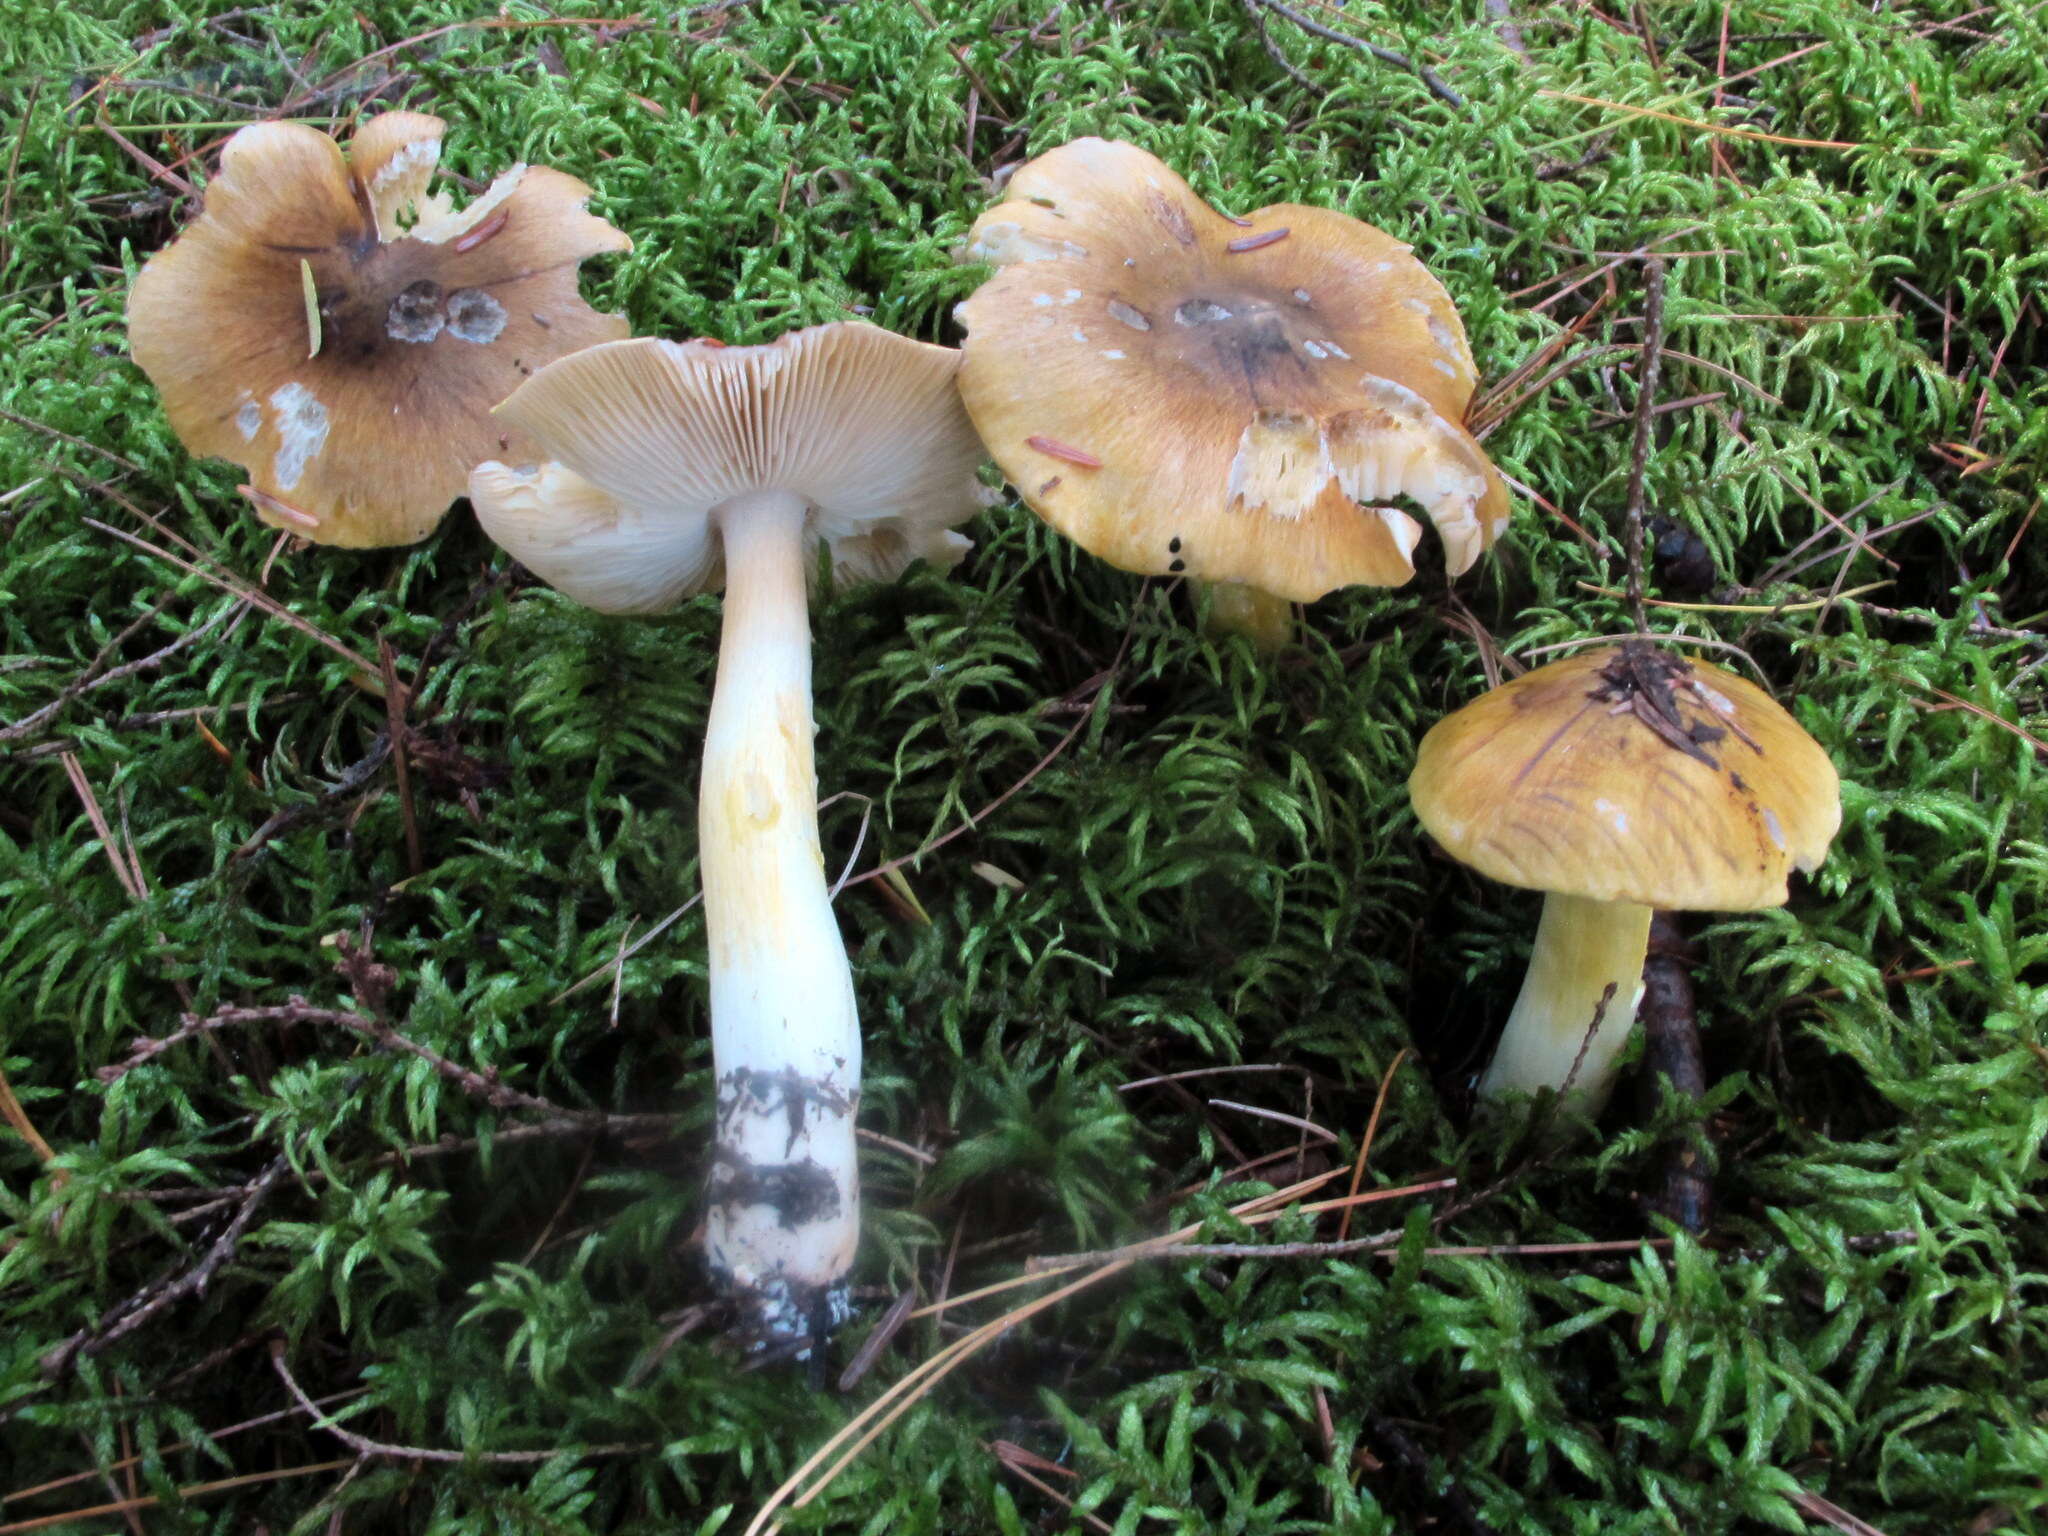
1236, 609
362, 1445
193, 1282
1646, 410
1583, 949
1671, 1047
784, 1212
1422, 72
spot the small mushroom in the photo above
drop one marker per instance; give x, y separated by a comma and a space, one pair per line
678, 467
1237, 400
342, 335
1617, 781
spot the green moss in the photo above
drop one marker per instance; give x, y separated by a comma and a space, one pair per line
1219, 869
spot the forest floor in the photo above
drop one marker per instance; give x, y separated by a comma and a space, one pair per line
1164, 937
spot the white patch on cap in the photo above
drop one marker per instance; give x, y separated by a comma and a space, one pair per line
1005, 242
1776, 831
1113, 355
1070, 295
1301, 296
1313, 350
249, 418
1443, 367
1420, 306
1129, 314
1041, 299
474, 315
1717, 701
1443, 336
1616, 816
1080, 336
1339, 351
301, 423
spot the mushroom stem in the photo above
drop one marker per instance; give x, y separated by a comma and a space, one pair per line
1236, 608
784, 1212
1583, 948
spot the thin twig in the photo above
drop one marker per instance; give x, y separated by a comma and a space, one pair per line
1422, 72
296, 1010
133, 1313
396, 699
86, 682
362, 1445
1639, 455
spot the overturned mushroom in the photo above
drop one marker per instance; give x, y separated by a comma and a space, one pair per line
342, 334
681, 466
1617, 781
1241, 400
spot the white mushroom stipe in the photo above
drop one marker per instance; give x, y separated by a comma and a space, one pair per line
685, 466
1587, 966
785, 1040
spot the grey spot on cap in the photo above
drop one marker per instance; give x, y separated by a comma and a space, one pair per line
474, 315
415, 315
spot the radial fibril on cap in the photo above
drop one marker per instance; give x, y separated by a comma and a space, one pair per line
1238, 400
420, 320
1618, 781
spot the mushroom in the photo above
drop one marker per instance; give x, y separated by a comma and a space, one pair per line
1617, 781
677, 467
1239, 400
342, 335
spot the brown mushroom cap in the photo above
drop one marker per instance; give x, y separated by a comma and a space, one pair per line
1237, 399
1626, 773
421, 331
651, 437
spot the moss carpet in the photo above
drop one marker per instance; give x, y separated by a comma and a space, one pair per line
1164, 854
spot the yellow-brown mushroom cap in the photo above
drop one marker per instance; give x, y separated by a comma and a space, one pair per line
1240, 400
369, 439
1626, 773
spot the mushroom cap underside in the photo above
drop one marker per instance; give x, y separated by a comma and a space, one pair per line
363, 432
1239, 400
1626, 773
648, 438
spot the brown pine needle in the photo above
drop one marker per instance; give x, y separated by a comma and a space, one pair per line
183, 1445
252, 595
1372, 1130
190, 1491
12, 1112
898, 1399
1724, 129
1798, 607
